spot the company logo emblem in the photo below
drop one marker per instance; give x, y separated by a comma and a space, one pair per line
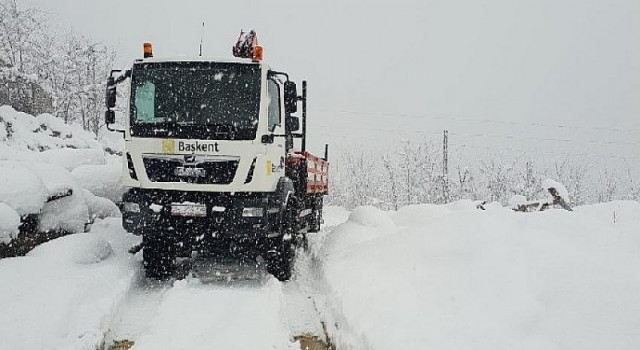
189, 172
168, 146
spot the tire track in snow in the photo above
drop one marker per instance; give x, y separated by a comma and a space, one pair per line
191, 314
259, 313
311, 281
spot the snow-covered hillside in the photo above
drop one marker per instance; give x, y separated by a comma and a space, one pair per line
439, 277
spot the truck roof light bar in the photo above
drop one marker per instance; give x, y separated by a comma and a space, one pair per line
147, 50
258, 53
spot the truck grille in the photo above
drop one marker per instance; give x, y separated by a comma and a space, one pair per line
190, 168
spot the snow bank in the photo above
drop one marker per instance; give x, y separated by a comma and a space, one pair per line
364, 224
28, 133
80, 249
453, 277
333, 215
616, 212
99, 207
112, 142
371, 217
102, 180
70, 158
25, 188
64, 294
70, 213
21, 188
36, 155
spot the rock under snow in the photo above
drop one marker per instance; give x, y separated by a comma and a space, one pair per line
562, 191
69, 213
9, 223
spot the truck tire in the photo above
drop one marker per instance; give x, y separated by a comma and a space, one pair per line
281, 255
315, 219
281, 260
158, 256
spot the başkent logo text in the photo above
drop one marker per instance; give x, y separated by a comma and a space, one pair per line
185, 146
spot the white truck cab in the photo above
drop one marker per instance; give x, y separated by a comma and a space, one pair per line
210, 163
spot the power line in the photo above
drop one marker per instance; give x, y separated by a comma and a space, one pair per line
490, 121
548, 139
533, 151
459, 146
504, 136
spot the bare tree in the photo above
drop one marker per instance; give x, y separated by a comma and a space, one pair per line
607, 186
22, 35
70, 67
392, 180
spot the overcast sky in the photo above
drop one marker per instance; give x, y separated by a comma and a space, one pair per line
545, 76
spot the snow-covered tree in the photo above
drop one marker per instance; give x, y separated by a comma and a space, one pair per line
71, 68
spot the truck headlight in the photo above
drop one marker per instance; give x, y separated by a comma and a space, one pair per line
131, 207
252, 212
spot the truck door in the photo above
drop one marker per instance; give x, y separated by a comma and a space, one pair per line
276, 150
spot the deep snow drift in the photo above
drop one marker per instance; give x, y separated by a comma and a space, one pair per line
64, 293
454, 277
41, 158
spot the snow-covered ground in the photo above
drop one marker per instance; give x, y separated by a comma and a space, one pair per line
441, 277
64, 293
454, 277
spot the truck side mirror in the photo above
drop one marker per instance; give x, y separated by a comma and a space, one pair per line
110, 94
290, 97
293, 123
110, 117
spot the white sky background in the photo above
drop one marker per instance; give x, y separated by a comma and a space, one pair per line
384, 71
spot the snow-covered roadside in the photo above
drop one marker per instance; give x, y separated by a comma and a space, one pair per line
454, 277
55, 171
64, 293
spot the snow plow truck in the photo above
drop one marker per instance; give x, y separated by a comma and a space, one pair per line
210, 164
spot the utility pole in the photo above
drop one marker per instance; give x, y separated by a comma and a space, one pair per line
445, 166
201, 38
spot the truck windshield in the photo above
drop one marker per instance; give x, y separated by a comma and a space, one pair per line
195, 100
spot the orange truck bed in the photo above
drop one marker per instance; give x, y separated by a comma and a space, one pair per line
317, 174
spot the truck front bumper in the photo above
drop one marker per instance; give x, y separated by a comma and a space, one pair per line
196, 216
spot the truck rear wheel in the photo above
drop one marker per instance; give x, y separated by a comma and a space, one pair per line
158, 256
315, 220
315, 217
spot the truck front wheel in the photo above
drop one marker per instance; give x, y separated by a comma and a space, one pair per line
282, 249
281, 259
